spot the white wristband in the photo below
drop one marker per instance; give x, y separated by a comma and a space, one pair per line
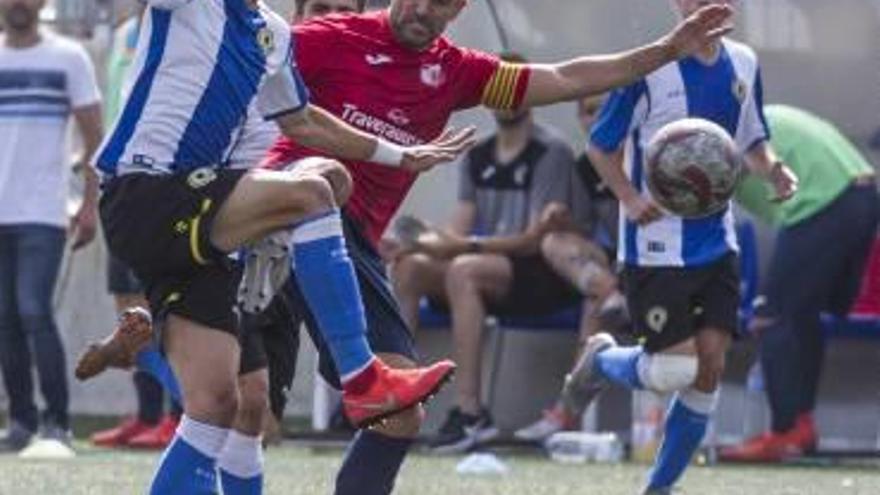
387, 153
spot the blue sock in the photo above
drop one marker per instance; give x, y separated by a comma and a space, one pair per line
328, 282
153, 362
620, 365
686, 424
188, 466
371, 464
241, 465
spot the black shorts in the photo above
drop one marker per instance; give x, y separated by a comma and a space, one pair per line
160, 226
386, 330
121, 279
670, 305
271, 340
536, 290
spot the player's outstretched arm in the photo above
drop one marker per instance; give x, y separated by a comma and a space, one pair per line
552, 83
318, 129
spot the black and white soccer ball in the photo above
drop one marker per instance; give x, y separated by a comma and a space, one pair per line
692, 167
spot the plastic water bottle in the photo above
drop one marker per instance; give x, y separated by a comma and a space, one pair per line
647, 426
574, 447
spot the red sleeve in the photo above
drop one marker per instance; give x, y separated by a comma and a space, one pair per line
487, 80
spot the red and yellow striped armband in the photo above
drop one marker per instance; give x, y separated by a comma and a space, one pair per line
507, 86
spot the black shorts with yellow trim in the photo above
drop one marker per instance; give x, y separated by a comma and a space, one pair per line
160, 226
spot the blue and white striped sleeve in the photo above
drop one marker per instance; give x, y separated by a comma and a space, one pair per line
754, 129
618, 117
283, 92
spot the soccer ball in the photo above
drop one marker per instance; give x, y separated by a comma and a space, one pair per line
692, 167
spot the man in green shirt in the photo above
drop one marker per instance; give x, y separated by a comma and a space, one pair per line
825, 234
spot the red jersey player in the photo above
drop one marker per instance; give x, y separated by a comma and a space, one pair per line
392, 73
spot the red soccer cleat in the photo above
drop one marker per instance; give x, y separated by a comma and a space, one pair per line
380, 391
157, 437
119, 435
118, 350
776, 447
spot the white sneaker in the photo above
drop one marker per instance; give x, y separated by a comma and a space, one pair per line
552, 421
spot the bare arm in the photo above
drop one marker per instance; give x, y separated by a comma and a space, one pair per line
84, 222
764, 162
609, 166
571, 79
316, 128
463, 218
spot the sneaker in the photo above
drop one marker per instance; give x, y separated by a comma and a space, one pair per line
767, 447
266, 269
804, 433
156, 437
552, 421
55, 432
583, 384
119, 435
133, 332
380, 391
462, 432
17, 437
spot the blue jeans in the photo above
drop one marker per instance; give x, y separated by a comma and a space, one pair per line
30, 256
816, 266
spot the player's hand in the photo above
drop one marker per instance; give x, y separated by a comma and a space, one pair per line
784, 182
446, 148
83, 226
642, 210
702, 28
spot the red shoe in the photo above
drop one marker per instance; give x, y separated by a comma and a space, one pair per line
380, 391
118, 350
120, 434
804, 433
767, 447
157, 437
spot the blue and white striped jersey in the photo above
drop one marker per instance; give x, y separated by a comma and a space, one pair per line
201, 68
728, 93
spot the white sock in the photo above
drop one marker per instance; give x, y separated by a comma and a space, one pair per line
207, 439
242, 456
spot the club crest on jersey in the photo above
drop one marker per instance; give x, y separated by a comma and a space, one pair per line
266, 40
201, 177
740, 90
432, 75
656, 318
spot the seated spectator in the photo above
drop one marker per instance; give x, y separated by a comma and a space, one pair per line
825, 235
581, 255
513, 190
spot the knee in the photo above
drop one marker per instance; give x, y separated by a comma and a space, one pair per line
310, 194
666, 373
215, 406
339, 179
551, 244
711, 369
461, 275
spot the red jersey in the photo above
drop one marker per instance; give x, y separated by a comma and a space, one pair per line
356, 69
